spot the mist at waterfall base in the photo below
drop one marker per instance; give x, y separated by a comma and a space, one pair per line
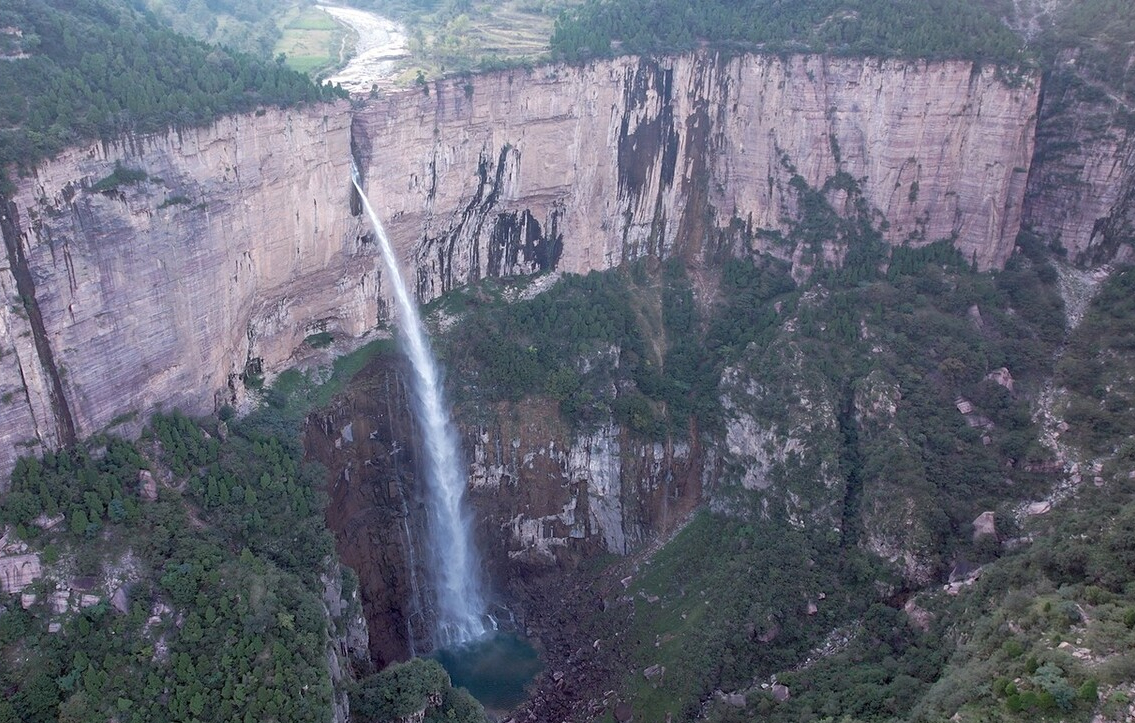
453, 564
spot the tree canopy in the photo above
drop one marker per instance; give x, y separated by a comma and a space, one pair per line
903, 28
80, 69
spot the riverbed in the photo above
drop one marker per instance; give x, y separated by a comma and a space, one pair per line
381, 46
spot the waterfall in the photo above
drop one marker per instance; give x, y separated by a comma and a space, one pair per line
455, 569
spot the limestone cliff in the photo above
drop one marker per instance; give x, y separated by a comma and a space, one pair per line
1081, 191
163, 292
583, 168
240, 239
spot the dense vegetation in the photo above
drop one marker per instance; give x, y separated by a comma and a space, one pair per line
1096, 369
96, 68
616, 343
219, 616
248, 26
904, 28
1100, 34
419, 686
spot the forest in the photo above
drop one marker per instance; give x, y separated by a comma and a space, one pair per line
223, 618
98, 69
887, 28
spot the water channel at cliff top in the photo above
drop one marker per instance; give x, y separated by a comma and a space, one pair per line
381, 44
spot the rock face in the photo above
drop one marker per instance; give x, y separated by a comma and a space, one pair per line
237, 245
374, 508
584, 168
545, 499
18, 571
1081, 191
243, 239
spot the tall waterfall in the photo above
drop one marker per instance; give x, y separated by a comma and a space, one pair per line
455, 568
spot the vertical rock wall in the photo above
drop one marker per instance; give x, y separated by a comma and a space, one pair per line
583, 168
240, 240
163, 292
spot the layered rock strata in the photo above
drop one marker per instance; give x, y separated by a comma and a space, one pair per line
127, 292
584, 168
207, 257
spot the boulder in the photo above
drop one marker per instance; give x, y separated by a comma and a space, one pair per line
654, 672
919, 617
119, 601
18, 571
149, 490
1002, 377
780, 692
984, 525
44, 522
974, 314
59, 600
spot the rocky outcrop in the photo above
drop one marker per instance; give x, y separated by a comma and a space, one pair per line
547, 497
18, 571
584, 168
163, 292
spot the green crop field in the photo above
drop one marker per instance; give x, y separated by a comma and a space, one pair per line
311, 41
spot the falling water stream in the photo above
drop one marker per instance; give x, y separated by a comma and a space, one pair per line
455, 568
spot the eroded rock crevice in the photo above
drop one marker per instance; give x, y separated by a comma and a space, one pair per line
25, 285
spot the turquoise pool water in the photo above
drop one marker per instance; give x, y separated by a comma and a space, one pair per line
495, 668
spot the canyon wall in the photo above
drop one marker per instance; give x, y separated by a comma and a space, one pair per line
545, 499
242, 240
163, 292
584, 168
1081, 191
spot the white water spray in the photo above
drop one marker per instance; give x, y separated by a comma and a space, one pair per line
455, 569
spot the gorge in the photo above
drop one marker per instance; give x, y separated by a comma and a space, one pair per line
212, 258
568, 169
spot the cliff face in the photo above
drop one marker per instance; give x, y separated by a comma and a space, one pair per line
583, 168
545, 499
163, 292
1081, 191
242, 239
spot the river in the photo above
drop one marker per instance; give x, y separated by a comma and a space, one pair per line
381, 45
